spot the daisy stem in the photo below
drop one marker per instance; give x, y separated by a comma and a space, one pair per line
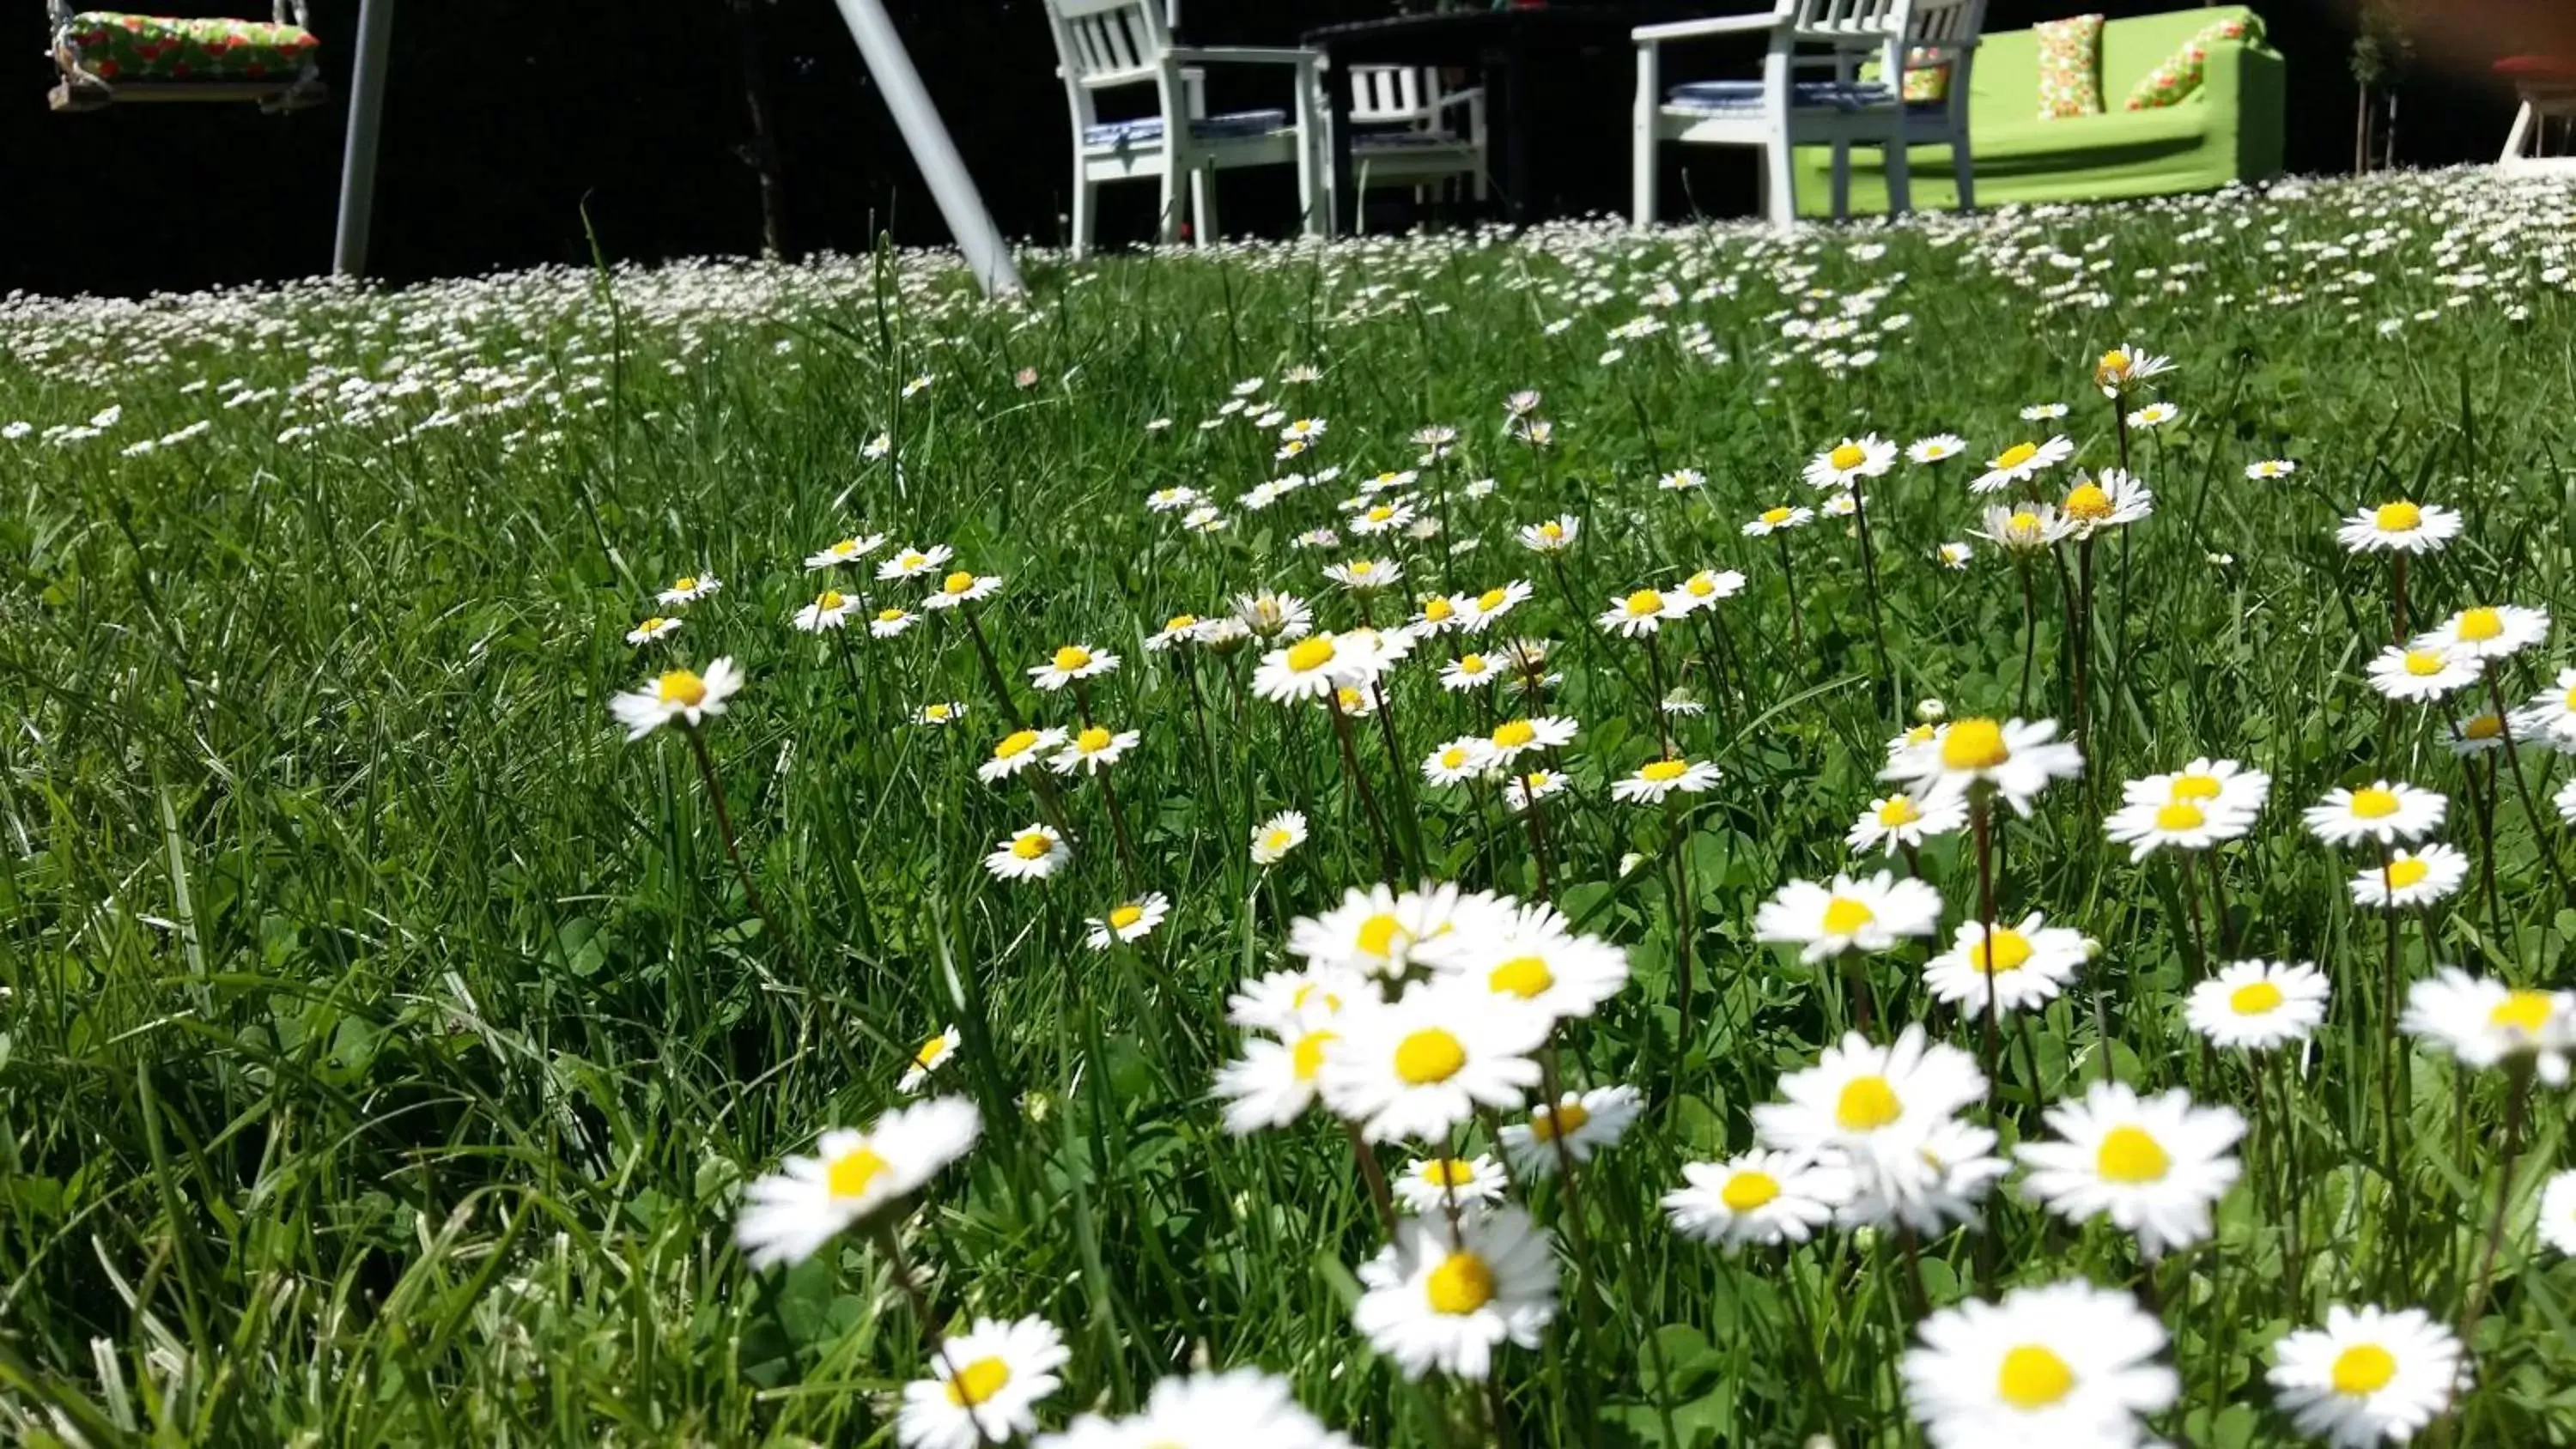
1359, 781
1118, 832
1498, 1419
1801, 1327
919, 1301
724, 827
2083, 640
1789, 576
2030, 1060
992, 671
1869, 582
2029, 635
2199, 962
1375, 1176
2218, 900
1655, 680
1979, 823
2397, 591
1685, 912
2517, 1084
1537, 838
2541, 836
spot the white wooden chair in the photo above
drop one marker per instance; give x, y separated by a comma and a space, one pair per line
1108, 44
1781, 111
1407, 131
1938, 33
2547, 90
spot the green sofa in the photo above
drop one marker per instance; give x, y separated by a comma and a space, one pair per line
2227, 130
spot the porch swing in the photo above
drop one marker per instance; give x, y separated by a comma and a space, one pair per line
108, 57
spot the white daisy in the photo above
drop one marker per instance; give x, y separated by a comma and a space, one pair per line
1938, 448
1273, 838
1468, 671
961, 587
1237, 1409
1872, 913
1874, 1105
2421, 674
847, 550
2399, 527
2489, 631
2410, 878
2215, 785
1894, 821
1017, 751
1093, 749
930, 1057
2485, 1023
1442, 1298
1422, 1064
1069, 663
1434, 1184
2557, 1221
1479, 612
1313, 668
889, 622
2023, 965
2108, 500
2020, 463
689, 588
1532, 954
1278, 1077
1514, 738
984, 1386
677, 694
1031, 854
2051, 1367
2368, 1375
1657, 779
1583, 1122
2016, 758
1129, 920
2552, 715
2380, 811
2146, 825
912, 563
1642, 611
809, 1200
1758, 1198
1554, 535
1773, 520
2269, 469
2028, 528
651, 629
2154, 1166
1467, 757
1851, 459
2259, 1004
1704, 589
1378, 930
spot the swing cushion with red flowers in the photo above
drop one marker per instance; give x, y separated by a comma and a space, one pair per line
154, 49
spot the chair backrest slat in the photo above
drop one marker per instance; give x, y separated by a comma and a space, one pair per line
1108, 42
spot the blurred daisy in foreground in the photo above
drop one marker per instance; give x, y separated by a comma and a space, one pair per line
2368, 1375
1873, 1105
2063, 1364
852, 1175
1757, 1199
1424, 1063
1279, 1076
1530, 953
2153, 1165
984, 1386
1238, 1409
2486, 1023
1871, 913
677, 694
2410, 878
2557, 1221
1443, 1298
2552, 715
2259, 1004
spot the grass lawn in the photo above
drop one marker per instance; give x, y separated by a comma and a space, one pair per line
389, 1044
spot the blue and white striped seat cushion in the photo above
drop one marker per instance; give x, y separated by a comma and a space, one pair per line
1401, 140
1145, 130
1725, 97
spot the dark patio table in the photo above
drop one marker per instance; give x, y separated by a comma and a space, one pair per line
1498, 44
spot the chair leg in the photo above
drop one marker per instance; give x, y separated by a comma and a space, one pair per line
1900, 184
1086, 194
1963, 167
1779, 183
1842, 180
1641, 140
2519, 136
1203, 204
1167, 223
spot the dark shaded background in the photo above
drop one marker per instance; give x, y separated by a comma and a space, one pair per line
505, 119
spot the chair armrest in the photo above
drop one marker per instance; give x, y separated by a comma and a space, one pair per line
1714, 25
1243, 55
1468, 97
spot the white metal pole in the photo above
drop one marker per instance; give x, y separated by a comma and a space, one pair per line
987, 255
358, 155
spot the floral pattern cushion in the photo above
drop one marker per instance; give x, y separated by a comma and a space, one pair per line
2070, 67
2181, 73
1927, 76
121, 48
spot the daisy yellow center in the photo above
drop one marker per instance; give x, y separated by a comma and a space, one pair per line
1746, 1191
2023, 523
1031, 846
2181, 815
1471, 664
2115, 360
2523, 1011
1460, 1285
2487, 726
2363, 1369
1866, 1104
1092, 741
1381, 513
1363, 569
1307, 1056
2131, 1157
957, 583
1491, 599
912, 560
1015, 743
2006, 950
2255, 998
1428, 1057
2017, 454
1523, 976
884, 616
1178, 622
2033, 1378
1378, 932
1513, 734
1847, 456
1447, 1172
935, 711
1551, 530
2194, 787
2479, 625
2374, 803
649, 625
1843, 915
1125, 916
1664, 772
1564, 1119
2423, 662
1278, 840
684, 688
1644, 602
2397, 518
2088, 501
1775, 516
846, 547
1311, 655
1453, 757
1435, 609
1898, 811
852, 1172
1974, 744
2407, 872
1352, 701
684, 583
1072, 657
931, 1051
1700, 586
978, 1381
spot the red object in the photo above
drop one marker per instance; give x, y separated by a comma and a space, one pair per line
2536, 67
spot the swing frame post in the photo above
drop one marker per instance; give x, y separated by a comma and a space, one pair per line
358, 154
960, 204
